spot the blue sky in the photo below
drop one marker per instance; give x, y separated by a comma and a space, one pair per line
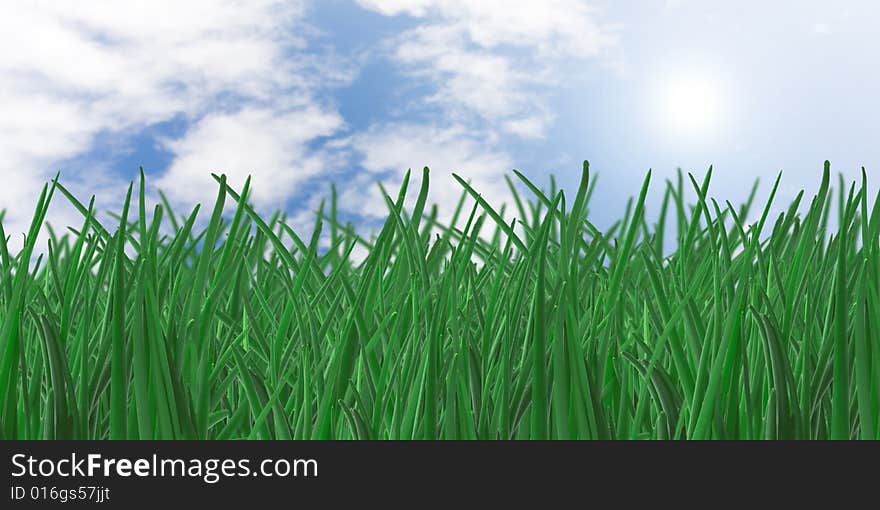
303, 93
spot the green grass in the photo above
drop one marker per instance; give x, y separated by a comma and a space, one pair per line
545, 327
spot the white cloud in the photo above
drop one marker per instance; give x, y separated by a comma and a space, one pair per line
489, 66
266, 144
396, 7
389, 150
529, 127
72, 71
550, 27
494, 59
247, 83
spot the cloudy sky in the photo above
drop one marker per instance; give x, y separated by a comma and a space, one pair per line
302, 93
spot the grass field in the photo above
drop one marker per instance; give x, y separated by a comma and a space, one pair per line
746, 325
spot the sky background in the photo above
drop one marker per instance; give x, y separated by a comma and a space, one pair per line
300, 94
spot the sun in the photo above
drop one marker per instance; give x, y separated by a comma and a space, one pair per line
691, 106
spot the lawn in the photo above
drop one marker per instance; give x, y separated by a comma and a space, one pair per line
708, 321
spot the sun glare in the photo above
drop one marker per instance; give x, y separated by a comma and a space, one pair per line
690, 107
